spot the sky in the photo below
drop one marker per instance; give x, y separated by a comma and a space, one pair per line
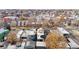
39, 4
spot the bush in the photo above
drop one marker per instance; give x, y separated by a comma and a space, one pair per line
11, 37
54, 40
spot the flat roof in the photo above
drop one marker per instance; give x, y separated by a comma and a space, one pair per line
62, 30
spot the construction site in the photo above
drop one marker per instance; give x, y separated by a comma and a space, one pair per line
39, 29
